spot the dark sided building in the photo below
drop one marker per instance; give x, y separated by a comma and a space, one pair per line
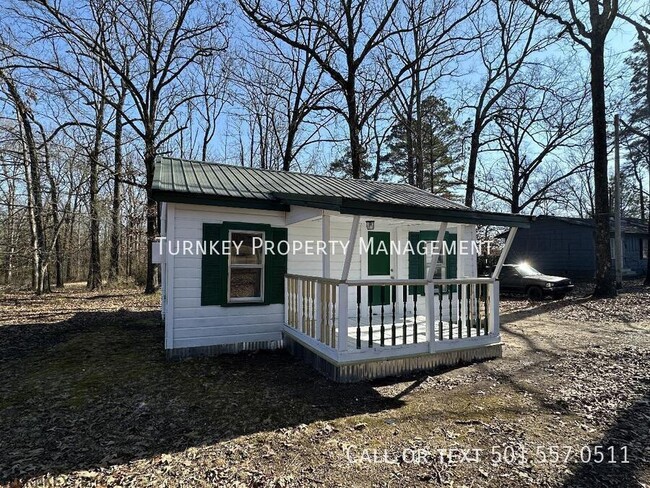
565, 246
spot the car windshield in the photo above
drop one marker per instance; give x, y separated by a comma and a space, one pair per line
527, 270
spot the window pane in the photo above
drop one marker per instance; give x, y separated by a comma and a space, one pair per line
245, 254
245, 283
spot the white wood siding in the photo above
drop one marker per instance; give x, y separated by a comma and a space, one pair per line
193, 325
188, 324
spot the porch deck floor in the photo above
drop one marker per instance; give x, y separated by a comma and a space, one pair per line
420, 325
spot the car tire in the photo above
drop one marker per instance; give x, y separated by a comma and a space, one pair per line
535, 293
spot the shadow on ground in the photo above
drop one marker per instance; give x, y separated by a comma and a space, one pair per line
96, 390
628, 439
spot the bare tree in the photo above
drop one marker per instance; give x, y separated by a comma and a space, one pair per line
355, 32
535, 122
508, 35
588, 24
32, 166
162, 40
639, 127
293, 90
118, 168
431, 40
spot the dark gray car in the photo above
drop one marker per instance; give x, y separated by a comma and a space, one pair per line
524, 279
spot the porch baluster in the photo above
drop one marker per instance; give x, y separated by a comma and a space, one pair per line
370, 316
477, 287
358, 317
393, 294
415, 315
333, 334
460, 309
322, 331
485, 304
468, 317
382, 329
294, 295
312, 308
405, 299
440, 311
303, 311
451, 315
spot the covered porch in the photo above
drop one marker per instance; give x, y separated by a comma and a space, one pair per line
353, 321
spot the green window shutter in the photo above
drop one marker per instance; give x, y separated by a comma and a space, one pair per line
416, 264
426, 235
452, 257
275, 267
213, 269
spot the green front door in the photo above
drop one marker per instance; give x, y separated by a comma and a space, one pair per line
379, 265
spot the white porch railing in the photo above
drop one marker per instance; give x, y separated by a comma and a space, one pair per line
311, 307
359, 316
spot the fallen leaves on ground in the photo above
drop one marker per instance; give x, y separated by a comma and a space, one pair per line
88, 399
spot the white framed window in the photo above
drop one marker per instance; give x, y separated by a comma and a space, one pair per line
245, 267
440, 272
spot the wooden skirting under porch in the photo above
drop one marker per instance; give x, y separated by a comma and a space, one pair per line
219, 349
382, 368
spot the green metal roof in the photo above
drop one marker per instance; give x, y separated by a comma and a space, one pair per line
185, 181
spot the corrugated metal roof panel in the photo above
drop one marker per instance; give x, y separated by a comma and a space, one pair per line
178, 180
193, 177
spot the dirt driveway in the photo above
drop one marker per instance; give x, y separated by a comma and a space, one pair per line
87, 399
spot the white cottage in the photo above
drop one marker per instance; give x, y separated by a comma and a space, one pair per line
384, 304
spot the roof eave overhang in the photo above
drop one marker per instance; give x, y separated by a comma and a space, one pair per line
283, 201
406, 212
217, 200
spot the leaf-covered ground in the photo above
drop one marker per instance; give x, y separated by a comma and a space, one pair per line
88, 399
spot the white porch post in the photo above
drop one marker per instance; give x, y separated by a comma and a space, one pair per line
467, 266
354, 230
430, 291
325, 236
439, 243
504, 253
493, 319
342, 338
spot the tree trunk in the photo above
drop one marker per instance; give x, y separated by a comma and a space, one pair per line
11, 229
287, 155
471, 165
114, 268
356, 154
419, 136
56, 219
34, 190
646, 45
152, 215
94, 264
605, 286
410, 163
